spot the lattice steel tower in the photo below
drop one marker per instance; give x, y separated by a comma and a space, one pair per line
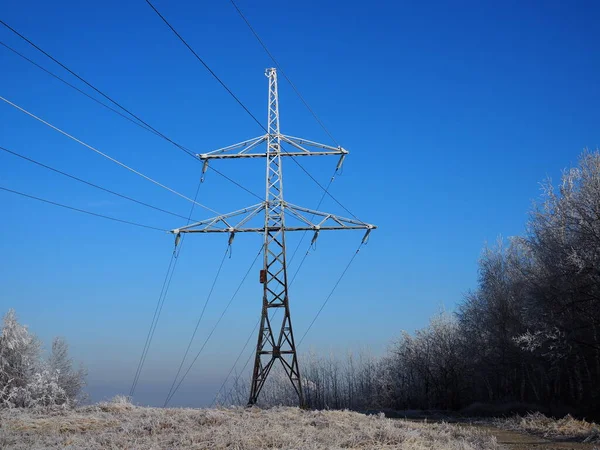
275, 340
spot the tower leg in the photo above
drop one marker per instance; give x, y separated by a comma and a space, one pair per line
267, 353
275, 341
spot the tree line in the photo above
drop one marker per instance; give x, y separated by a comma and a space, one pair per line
529, 333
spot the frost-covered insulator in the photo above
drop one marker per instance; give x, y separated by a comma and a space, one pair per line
315, 236
204, 169
365, 238
340, 162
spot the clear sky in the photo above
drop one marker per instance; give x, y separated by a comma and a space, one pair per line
453, 112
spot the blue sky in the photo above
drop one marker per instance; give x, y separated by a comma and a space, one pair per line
453, 112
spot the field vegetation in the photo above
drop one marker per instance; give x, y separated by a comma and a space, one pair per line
119, 425
566, 428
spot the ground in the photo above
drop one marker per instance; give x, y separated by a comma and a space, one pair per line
119, 425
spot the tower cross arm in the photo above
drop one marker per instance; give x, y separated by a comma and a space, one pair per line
300, 144
301, 147
262, 229
240, 148
223, 222
342, 221
239, 221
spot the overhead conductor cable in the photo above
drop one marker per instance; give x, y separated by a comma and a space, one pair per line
106, 156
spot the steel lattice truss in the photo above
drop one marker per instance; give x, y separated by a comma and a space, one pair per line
275, 341
236, 221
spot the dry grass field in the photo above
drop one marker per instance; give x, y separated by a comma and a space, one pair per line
567, 428
119, 425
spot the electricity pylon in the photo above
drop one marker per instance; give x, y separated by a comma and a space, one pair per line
275, 342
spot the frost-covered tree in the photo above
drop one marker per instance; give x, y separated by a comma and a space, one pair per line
427, 368
328, 382
533, 325
490, 317
20, 353
59, 364
26, 379
563, 284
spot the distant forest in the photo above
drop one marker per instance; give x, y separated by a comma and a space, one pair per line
528, 336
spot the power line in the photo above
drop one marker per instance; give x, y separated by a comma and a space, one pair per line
331, 293
235, 364
106, 156
301, 339
82, 210
272, 76
138, 173
90, 213
144, 127
90, 184
246, 344
325, 190
76, 88
236, 183
147, 127
291, 283
311, 217
205, 65
154, 323
187, 350
304, 234
152, 326
216, 325
243, 368
283, 73
98, 90
186, 150
241, 104
161, 300
300, 265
